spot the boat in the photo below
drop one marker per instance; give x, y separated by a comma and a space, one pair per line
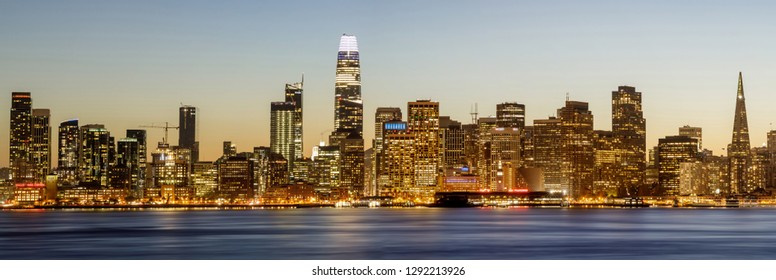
731, 202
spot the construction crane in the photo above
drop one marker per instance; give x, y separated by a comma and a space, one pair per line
166, 127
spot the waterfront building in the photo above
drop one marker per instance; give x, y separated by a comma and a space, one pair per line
67, 167
128, 157
20, 137
757, 173
370, 187
382, 115
293, 93
607, 154
326, 168
235, 179
94, 155
629, 125
504, 150
170, 172
771, 170
204, 179
672, 151
351, 167
40, 144
282, 130
739, 150
399, 151
547, 146
485, 125
423, 124
142, 160
187, 130
577, 143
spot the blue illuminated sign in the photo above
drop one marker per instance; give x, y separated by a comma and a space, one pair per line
395, 126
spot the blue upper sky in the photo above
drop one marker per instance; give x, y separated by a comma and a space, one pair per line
130, 63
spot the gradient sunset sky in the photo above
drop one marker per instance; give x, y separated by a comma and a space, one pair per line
131, 63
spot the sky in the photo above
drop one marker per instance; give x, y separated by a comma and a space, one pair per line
131, 63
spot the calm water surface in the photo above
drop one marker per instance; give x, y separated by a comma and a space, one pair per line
386, 233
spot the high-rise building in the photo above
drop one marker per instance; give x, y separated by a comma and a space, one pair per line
672, 151
326, 168
577, 143
235, 179
128, 157
294, 94
142, 159
693, 132
453, 139
351, 167
399, 151
547, 145
484, 163
94, 155
282, 127
187, 130
20, 137
510, 114
629, 125
170, 173
607, 152
423, 124
67, 167
504, 149
204, 179
348, 107
229, 150
758, 169
40, 144
739, 151
382, 115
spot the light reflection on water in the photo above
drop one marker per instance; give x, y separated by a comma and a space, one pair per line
391, 233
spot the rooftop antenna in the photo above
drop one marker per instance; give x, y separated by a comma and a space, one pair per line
302, 83
567, 96
474, 114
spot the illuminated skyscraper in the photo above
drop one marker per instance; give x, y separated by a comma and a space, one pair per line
204, 179
20, 137
382, 115
607, 152
452, 143
771, 171
547, 146
67, 169
142, 159
577, 143
351, 166
235, 179
94, 155
423, 124
504, 144
282, 131
128, 157
510, 114
187, 130
170, 173
629, 125
672, 152
739, 151
40, 145
399, 151
348, 107
294, 94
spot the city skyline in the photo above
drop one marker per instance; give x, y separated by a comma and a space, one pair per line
69, 81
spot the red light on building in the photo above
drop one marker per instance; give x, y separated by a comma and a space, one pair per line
519, 190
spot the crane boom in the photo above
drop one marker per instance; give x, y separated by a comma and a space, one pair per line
166, 127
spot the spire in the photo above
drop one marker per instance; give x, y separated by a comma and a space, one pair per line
740, 86
739, 148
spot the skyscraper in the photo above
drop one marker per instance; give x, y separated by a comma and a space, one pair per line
40, 144
282, 128
382, 115
351, 166
20, 137
94, 155
510, 114
294, 94
67, 168
399, 155
128, 157
629, 125
739, 149
547, 145
423, 124
577, 143
672, 152
142, 158
348, 107
170, 173
187, 130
